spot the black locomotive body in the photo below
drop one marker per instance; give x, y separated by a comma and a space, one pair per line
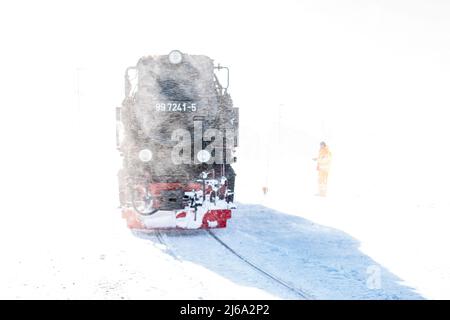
177, 134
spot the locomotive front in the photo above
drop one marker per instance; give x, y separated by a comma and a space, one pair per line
177, 134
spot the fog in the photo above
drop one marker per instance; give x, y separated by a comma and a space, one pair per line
370, 78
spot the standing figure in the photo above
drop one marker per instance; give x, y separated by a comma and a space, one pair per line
323, 168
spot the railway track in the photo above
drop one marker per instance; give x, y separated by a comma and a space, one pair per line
298, 292
170, 252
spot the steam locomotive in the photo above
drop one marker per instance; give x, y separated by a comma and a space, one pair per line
177, 134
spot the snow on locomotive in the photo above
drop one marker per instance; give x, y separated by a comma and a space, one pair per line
177, 134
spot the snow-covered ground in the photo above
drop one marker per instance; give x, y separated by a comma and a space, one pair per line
109, 262
326, 263
408, 239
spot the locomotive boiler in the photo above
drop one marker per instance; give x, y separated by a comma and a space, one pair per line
177, 133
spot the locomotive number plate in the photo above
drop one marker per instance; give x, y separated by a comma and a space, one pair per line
176, 107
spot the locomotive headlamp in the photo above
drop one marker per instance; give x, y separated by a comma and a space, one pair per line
145, 155
203, 156
175, 57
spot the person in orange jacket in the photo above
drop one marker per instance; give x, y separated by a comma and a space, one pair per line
323, 168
